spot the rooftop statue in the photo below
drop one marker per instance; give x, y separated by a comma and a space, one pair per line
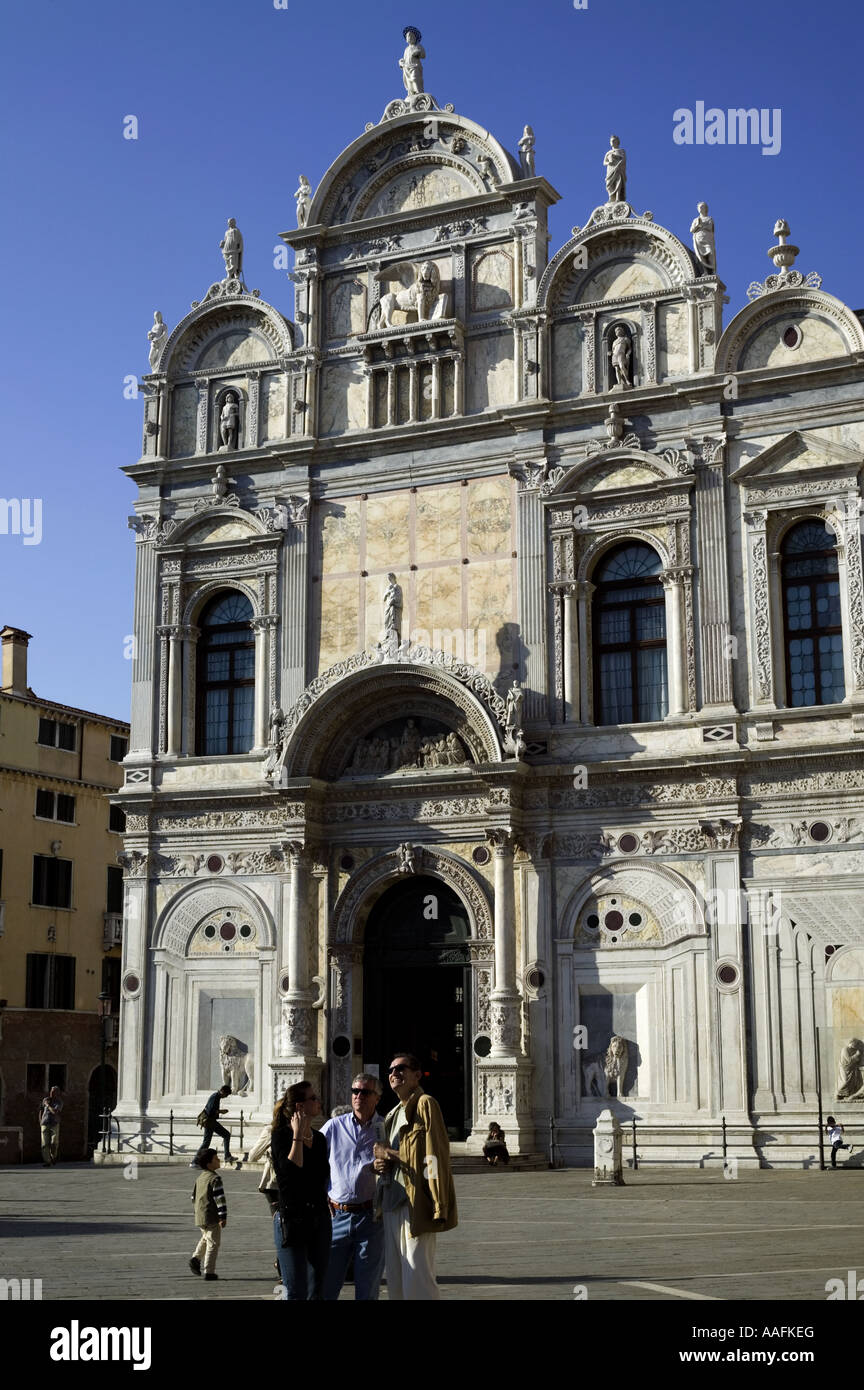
526, 153
303, 198
411, 61
156, 336
615, 161
231, 246
702, 231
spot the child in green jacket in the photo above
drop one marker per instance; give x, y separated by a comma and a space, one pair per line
211, 1213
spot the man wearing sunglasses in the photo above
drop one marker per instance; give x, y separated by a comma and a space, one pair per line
350, 1142
415, 1194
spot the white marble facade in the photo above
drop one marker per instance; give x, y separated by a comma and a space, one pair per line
444, 405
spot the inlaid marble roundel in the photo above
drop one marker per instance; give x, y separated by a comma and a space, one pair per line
616, 919
227, 931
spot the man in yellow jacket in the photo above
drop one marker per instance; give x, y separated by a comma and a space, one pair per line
415, 1193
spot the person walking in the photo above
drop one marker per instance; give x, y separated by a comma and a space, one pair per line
415, 1195
301, 1225
835, 1138
351, 1139
211, 1214
211, 1112
49, 1126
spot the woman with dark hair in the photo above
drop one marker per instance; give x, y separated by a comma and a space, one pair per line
301, 1224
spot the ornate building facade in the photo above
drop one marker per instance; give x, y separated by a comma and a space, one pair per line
499, 684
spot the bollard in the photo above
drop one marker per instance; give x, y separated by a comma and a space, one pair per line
607, 1151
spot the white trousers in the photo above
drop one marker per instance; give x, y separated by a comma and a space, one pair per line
409, 1261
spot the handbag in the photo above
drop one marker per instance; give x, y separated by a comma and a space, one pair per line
202, 1119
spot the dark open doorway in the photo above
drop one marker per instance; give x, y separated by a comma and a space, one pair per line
416, 991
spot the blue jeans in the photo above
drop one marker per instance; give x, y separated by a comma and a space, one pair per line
310, 1253
214, 1127
357, 1234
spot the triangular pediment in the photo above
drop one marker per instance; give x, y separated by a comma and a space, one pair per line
801, 452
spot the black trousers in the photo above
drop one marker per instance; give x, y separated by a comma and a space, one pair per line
216, 1128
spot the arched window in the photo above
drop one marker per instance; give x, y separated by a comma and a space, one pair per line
811, 616
226, 676
629, 633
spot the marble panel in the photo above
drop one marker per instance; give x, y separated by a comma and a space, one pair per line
273, 389
424, 390
419, 188
343, 398
340, 611
439, 602
340, 535
490, 372
673, 341
566, 360
387, 535
403, 395
819, 340
490, 517
490, 611
184, 415
346, 307
491, 280
620, 280
847, 1013
849, 965
438, 525
235, 349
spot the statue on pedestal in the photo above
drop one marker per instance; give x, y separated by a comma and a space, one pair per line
231, 246
526, 153
156, 337
702, 231
615, 162
392, 604
615, 1064
303, 198
621, 355
411, 61
229, 422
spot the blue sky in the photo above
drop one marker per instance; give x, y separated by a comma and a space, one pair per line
233, 101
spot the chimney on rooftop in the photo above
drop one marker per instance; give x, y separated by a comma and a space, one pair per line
15, 660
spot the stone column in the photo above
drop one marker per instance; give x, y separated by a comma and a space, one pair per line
436, 388
298, 1017
589, 354
761, 665
458, 384
674, 643
571, 653
713, 578
391, 395
412, 393
586, 589
253, 410
203, 385
505, 1016
295, 599
175, 691
531, 551
261, 628
142, 731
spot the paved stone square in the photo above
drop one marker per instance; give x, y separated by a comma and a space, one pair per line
98, 1234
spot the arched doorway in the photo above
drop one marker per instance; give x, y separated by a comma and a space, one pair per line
416, 990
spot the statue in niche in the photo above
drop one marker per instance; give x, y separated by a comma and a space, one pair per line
850, 1071
702, 231
231, 246
156, 337
526, 153
411, 61
407, 859
615, 1064
229, 425
392, 603
622, 353
419, 296
615, 163
303, 199
277, 727
236, 1064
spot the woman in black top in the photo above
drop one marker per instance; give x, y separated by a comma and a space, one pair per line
301, 1225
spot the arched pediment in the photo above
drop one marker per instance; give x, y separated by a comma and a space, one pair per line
352, 907
615, 261
407, 163
181, 917
788, 328
359, 696
615, 468
217, 526
225, 335
667, 907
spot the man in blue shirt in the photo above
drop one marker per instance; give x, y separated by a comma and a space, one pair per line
350, 1143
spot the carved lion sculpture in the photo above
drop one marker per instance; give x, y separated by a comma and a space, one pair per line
236, 1064
615, 1064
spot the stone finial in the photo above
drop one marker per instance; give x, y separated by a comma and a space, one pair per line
411, 61
783, 255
